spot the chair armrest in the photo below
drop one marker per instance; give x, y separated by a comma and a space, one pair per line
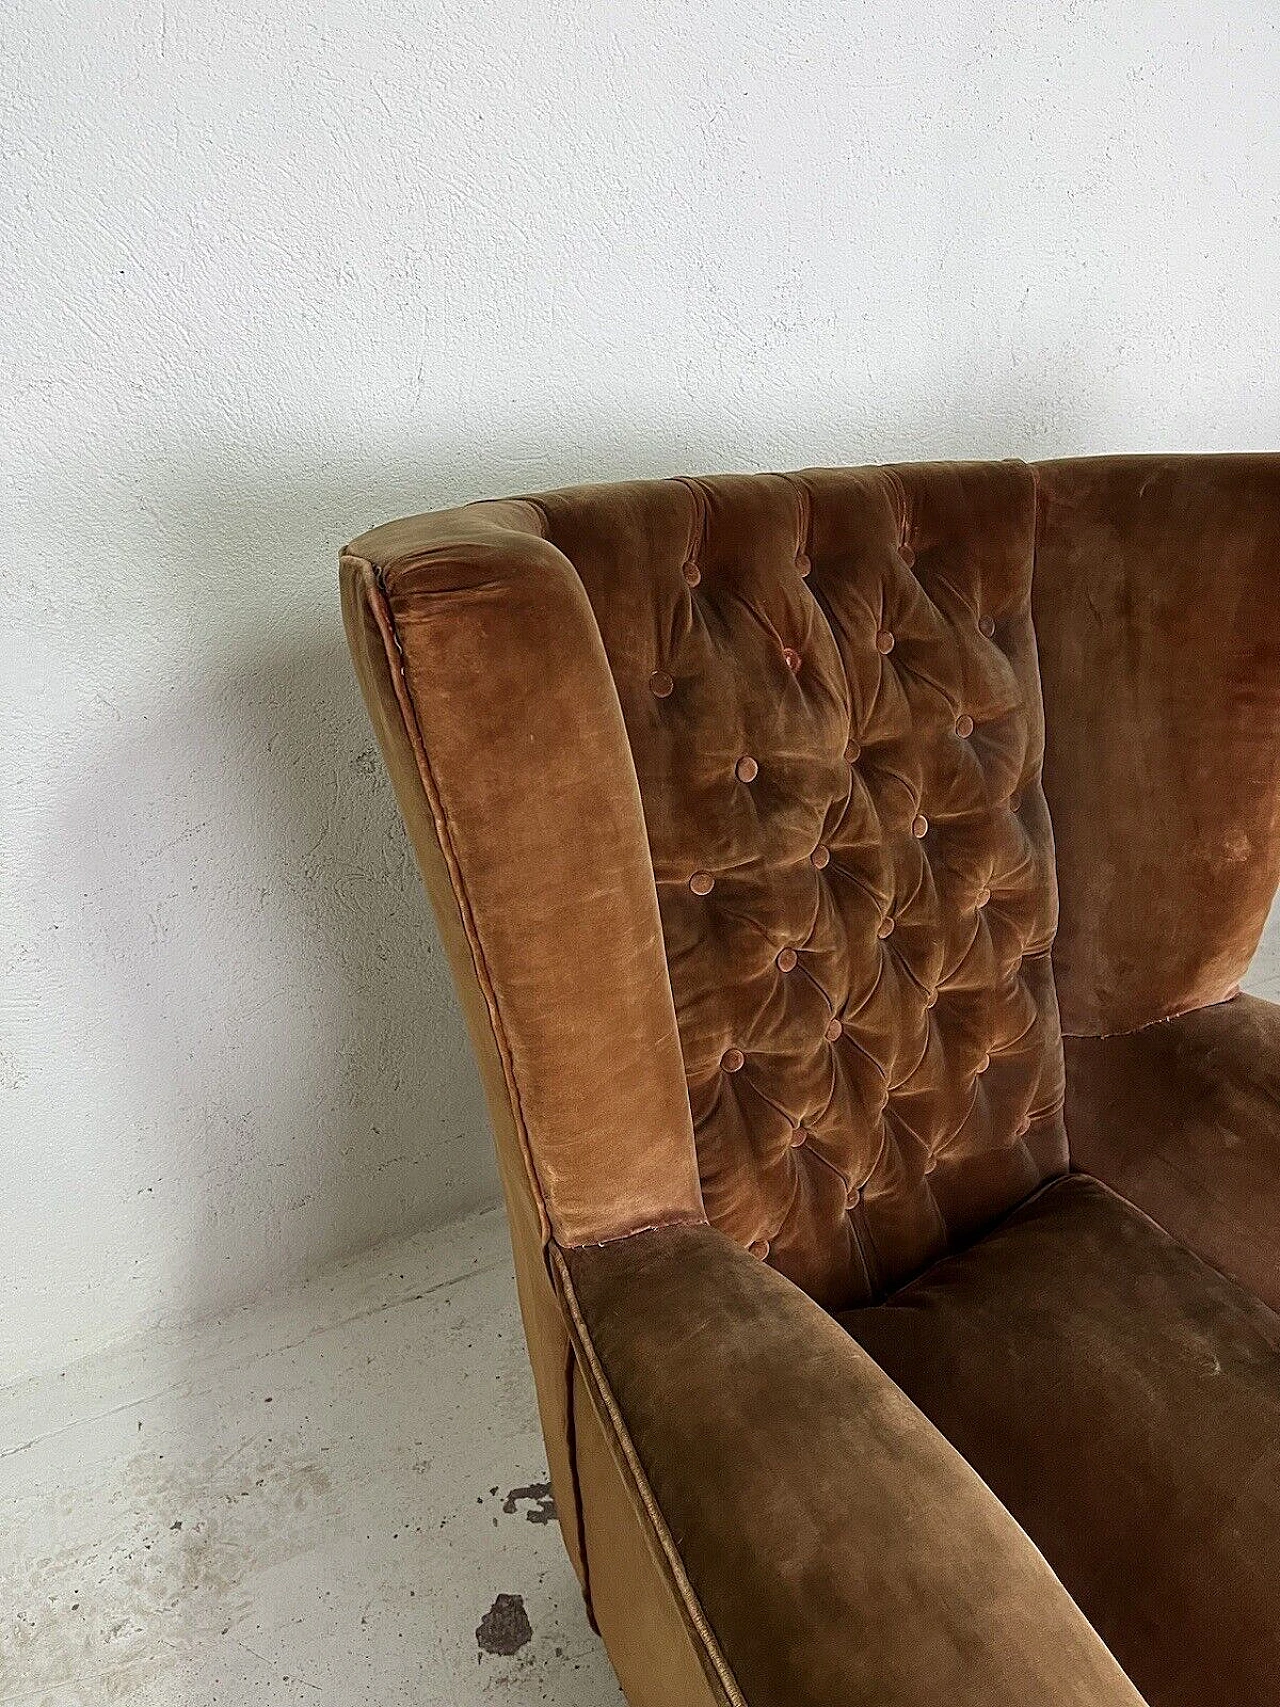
830, 1547
1183, 1118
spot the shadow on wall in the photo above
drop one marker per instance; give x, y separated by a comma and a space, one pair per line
264, 972
257, 966
297, 1072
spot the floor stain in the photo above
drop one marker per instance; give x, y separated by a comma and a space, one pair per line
538, 1497
505, 1627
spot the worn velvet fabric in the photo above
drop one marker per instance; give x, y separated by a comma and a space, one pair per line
829, 687
829, 692
1183, 1118
728, 798
524, 762
1123, 1401
1157, 608
840, 1551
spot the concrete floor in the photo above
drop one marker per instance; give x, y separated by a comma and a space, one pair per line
319, 1499
335, 1497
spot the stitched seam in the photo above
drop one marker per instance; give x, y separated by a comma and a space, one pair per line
617, 1423
575, 1477
1164, 1019
804, 513
631, 1233
903, 507
385, 620
697, 537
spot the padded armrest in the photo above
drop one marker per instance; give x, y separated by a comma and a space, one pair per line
831, 1548
1183, 1118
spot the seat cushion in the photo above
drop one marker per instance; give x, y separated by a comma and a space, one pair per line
1123, 1400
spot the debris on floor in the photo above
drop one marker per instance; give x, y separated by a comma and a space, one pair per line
307, 1501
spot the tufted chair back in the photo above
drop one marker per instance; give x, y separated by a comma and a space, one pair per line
830, 690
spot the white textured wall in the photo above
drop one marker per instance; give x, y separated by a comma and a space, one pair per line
274, 273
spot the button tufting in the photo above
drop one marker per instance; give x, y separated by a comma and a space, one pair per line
792, 658
1015, 803
1022, 1128
786, 959
987, 626
746, 769
984, 895
853, 1196
906, 553
732, 1060
919, 826
834, 1031
759, 1248
660, 684
852, 752
984, 1063
820, 858
884, 641
885, 928
964, 726
702, 883
691, 572
931, 1166
799, 1137
931, 1001
803, 564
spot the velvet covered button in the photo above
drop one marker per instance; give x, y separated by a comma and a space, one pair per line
792, 659
702, 883
1022, 1128
932, 999
919, 826
732, 1060
799, 1136
964, 725
885, 928
691, 572
984, 895
852, 752
759, 1248
786, 959
660, 684
984, 1063
803, 564
1015, 803
853, 1196
987, 626
820, 858
746, 769
834, 1031
884, 641
906, 553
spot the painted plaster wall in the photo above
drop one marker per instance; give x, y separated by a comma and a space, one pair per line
275, 273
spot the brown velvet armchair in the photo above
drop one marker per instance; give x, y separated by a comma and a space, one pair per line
733, 798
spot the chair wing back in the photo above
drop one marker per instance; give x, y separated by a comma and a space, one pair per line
1157, 606
794, 723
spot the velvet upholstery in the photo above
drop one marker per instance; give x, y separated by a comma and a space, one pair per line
1156, 614
727, 794
836, 1545
1123, 1401
1183, 1118
829, 686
